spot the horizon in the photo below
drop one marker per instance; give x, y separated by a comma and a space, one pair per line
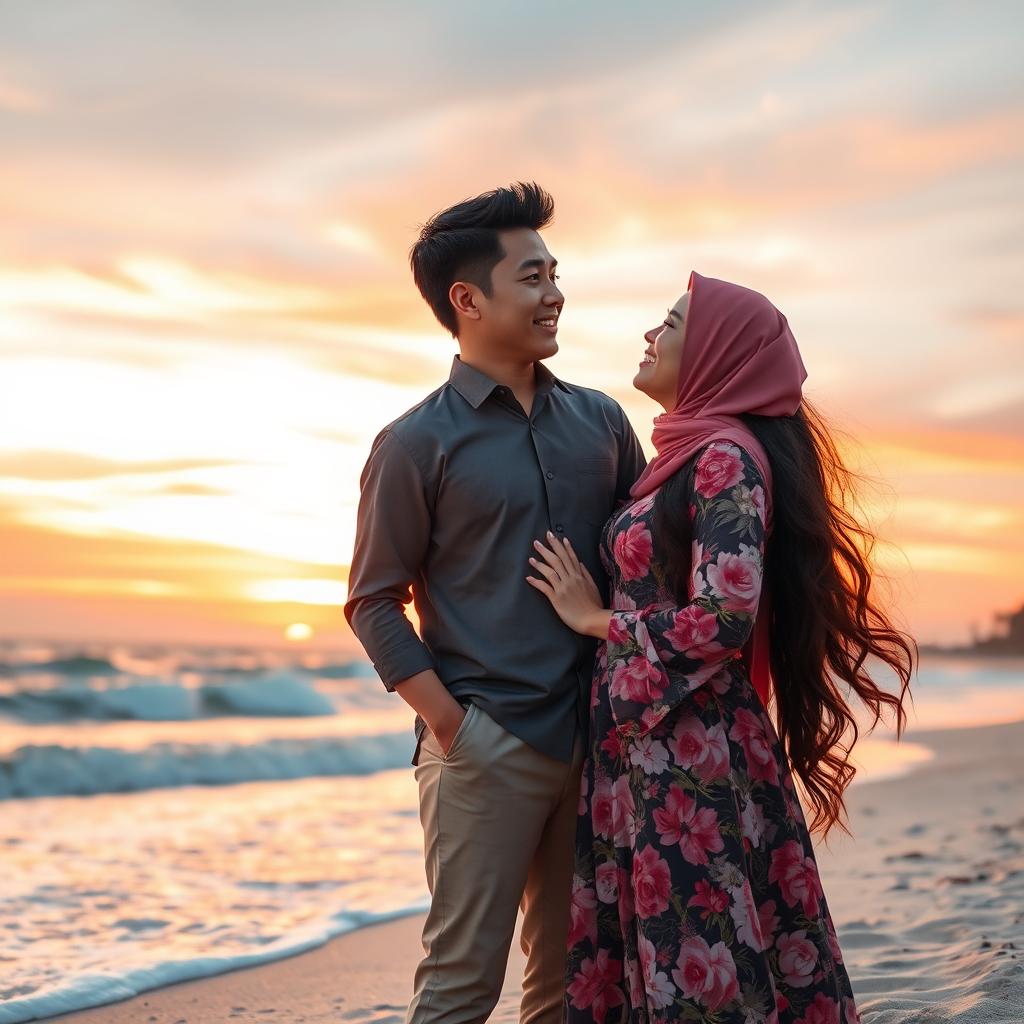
318, 647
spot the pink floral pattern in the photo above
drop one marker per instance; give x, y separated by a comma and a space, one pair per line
595, 988
694, 829
798, 957
652, 885
633, 551
736, 579
720, 467
706, 974
696, 894
797, 876
750, 733
638, 680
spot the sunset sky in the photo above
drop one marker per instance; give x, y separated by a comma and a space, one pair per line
206, 311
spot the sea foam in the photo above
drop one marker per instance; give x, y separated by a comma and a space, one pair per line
57, 770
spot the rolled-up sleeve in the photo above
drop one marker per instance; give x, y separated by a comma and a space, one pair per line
392, 535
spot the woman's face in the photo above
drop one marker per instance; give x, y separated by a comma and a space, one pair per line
658, 376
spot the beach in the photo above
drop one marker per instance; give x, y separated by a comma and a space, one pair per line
928, 899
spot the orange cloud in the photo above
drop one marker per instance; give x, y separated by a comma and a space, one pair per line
55, 584
57, 465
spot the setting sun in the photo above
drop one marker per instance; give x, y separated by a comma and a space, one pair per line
298, 631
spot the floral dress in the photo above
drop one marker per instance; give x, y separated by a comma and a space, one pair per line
696, 895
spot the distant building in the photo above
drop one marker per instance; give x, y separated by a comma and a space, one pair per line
1009, 637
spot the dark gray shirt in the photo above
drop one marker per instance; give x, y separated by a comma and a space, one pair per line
452, 497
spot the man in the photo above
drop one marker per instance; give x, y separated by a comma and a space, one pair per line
453, 495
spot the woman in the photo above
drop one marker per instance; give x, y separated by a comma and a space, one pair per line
696, 894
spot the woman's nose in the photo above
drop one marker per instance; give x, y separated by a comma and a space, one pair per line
652, 335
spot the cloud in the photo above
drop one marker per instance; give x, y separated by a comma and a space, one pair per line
16, 98
946, 449
1003, 422
1000, 326
55, 584
46, 554
194, 491
219, 91
242, 156
55, 465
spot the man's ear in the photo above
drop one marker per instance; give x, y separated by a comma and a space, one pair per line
463, 298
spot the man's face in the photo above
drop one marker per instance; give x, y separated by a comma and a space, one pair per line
520, 318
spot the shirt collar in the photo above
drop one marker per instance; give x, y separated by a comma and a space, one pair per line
475, 386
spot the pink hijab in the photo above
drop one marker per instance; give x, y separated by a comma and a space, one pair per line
739, 356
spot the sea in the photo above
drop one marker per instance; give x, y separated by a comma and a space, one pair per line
168, 813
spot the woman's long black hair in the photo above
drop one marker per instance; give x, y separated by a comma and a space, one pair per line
825, 620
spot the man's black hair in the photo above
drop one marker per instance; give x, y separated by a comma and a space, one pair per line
462, 244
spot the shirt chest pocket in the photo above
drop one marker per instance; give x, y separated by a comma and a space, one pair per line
595, 487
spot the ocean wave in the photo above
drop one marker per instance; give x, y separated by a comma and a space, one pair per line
57, 770
89, 990
347, 670
281, 694
76, 665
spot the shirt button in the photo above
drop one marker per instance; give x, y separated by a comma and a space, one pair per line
559, 528
550, 475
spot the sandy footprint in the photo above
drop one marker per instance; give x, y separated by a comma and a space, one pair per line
383, 1013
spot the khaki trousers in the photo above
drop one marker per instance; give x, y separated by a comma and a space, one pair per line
499, 824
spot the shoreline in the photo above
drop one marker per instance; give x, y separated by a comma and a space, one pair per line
365, 975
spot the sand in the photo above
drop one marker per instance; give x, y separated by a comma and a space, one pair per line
928, 899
